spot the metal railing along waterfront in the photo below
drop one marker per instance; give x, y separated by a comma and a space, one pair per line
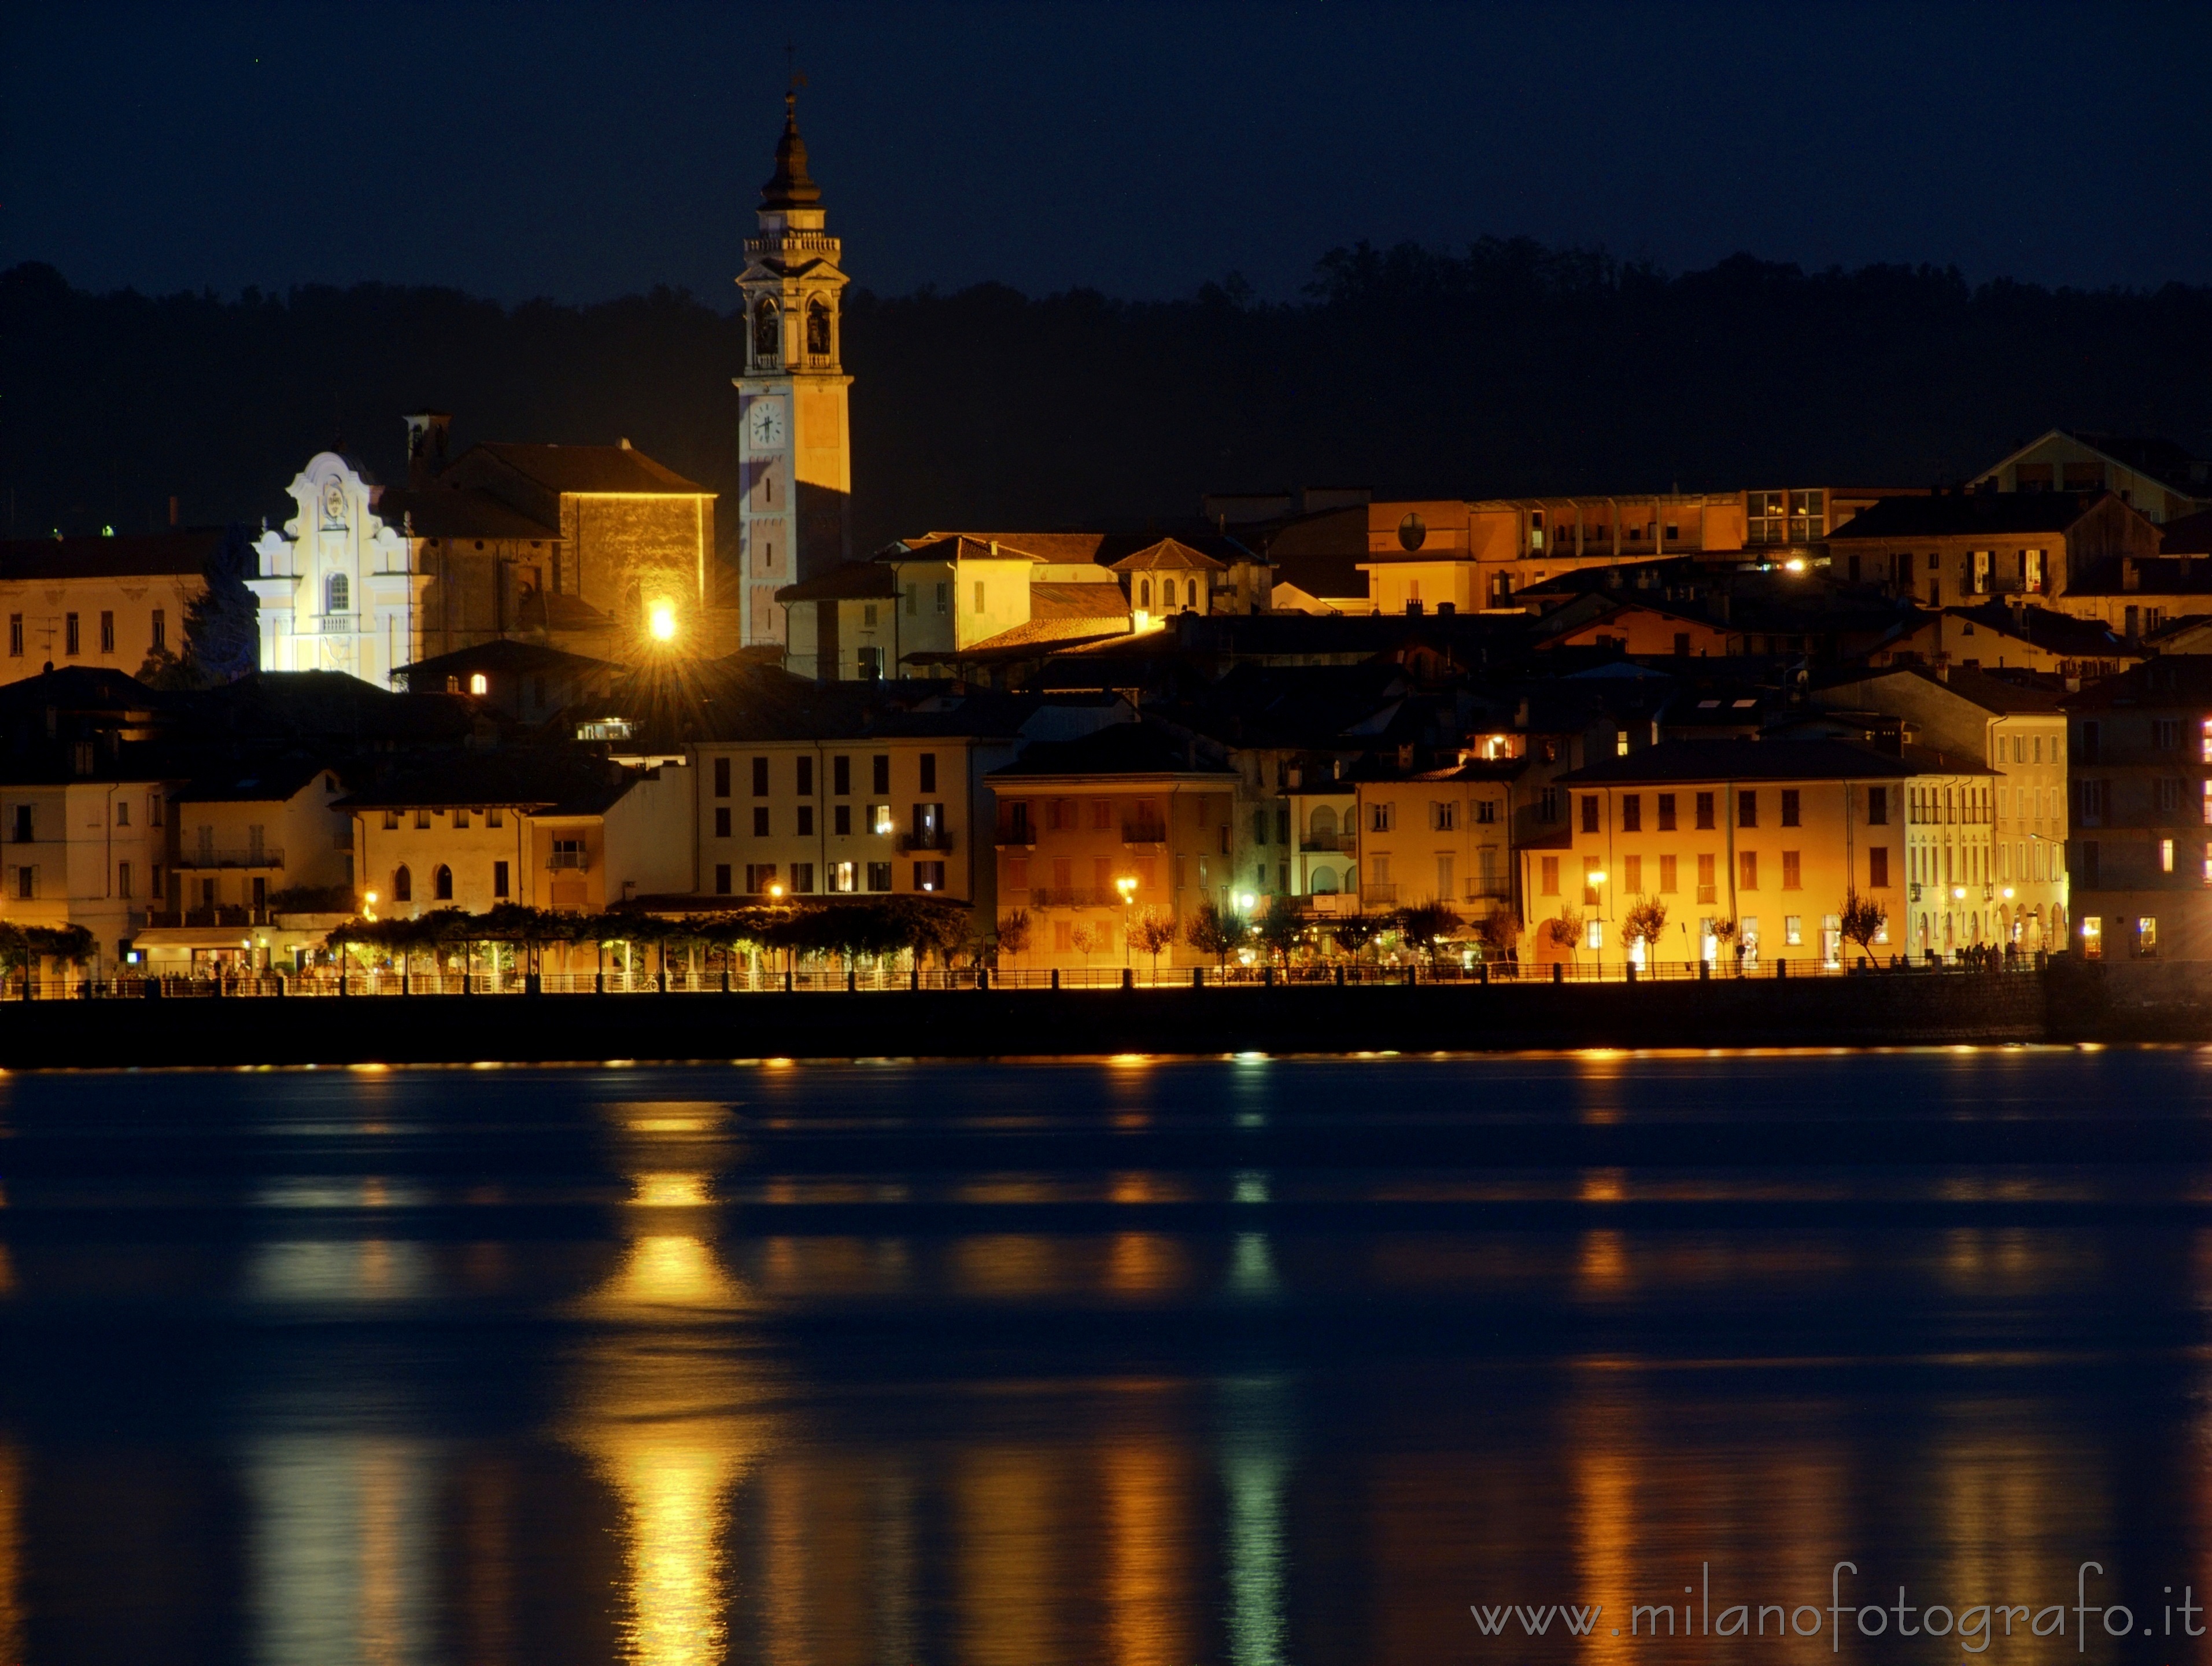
828, 976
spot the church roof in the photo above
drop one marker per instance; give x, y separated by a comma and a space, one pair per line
850, 580
593, 469
456, 511
789, 185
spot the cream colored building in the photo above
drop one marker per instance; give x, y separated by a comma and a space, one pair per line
1441, 836
1773, 836
337, 587
562, 831
2018, 729
83, 851
2157, 477
107, 602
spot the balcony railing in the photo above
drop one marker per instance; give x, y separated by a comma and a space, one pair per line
574, 861
1021, 836
206, 918
206, 856
336, 624
1074, 897
1329, 842
1483, 889
937, 839
1379, 896
1144, 833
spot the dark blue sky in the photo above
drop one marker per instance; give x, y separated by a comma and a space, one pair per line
581, 153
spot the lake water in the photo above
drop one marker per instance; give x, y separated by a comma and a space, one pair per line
1257, 1360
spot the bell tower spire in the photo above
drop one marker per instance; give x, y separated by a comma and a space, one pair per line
796, 517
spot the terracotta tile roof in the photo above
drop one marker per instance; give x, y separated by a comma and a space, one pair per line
456, 511
1171, 553
1969, 514
1078, 601
847, 581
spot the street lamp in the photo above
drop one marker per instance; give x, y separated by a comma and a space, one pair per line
775, 889
1245, 900
1127, 885
662, 621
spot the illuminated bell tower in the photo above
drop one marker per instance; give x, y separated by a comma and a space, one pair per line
795, 517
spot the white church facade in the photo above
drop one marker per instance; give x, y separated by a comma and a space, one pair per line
336, 588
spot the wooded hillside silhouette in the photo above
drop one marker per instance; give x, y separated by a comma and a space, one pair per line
1505, 368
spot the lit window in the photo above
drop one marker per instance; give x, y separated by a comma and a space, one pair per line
479, 684
2166, 855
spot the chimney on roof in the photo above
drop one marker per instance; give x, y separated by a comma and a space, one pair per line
427, 432
623, 443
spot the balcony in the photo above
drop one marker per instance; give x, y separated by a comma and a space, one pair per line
1021, 835
1074, 897
206, 856
1346, 843
1378, 897
937, 840
1480, 891
337, 624
1144, 833
569, 861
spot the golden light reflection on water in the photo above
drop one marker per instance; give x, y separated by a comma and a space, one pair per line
1009, 1578
1145, 1491
670, 1191
7, 1272
1602, 1263
342, 1551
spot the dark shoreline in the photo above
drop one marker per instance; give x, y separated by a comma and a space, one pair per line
2168, 1002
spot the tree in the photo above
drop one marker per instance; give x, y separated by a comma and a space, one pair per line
1498, 931
1724, 931
1281, 927
1215, 931
1153, 930
1088, 940
1862, 921
1565, 931
1354, 932
1643, 923
1426, 925
1014, 932
222, 628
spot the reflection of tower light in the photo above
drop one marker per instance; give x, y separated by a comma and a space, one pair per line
1255, 1469
657, 1421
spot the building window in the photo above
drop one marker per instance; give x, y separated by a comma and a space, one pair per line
495, 817
1789, 806
1631, 812
944, 596
160, 631
71, 635
1792, 871
759, 876
841, 776
2166, 855
1878, 868
767, 340
2165, 733
929, 775
802, 879
1704, 811
460, 818
841, 877
1877, 806
929, 876
880, 772
1381, 817
16, 642
1485, 809
760, 821
1666, 812
879, 876
1746, 809
2169, 793
1793, 929
23, 823
403, 885
391, 821
441, 884
979, 595
27, 884
2146, 934
805, 821
499, 880
1590, 812
479, 684
722, 821
338, 594
818, 329
422, 819
107, 633
805, 778
760, 777
721, 777
721, 878
122, 880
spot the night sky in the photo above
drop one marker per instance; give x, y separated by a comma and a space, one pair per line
519, 151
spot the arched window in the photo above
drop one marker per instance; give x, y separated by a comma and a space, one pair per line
442, 882
403, 886
1143, 592
1324, 822
1323, 883
1190, 592
338, 594
767, 342
818, 328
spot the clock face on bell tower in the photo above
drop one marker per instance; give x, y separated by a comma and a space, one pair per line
795, 517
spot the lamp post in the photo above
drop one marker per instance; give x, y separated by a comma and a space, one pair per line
1127, 885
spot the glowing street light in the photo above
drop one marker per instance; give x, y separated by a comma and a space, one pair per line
1598, 878
1245, 900
662, 621
1127, 885
775, 889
